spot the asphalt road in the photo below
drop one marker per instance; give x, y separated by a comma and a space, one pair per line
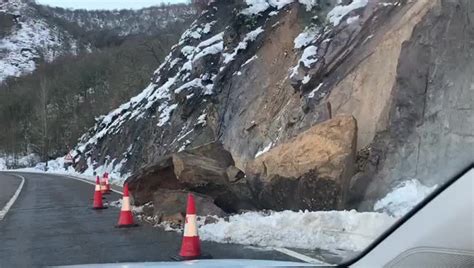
52, 223
8, 186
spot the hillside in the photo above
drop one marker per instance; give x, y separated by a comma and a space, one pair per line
261, 77
28, 39
148, 21
57, 77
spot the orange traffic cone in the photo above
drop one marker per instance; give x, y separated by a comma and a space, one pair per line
126, 216
107, 184
191, 247
98, 196
103, 188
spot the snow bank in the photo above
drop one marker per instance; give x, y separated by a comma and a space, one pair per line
329, 230
7, 161
56, 166
403, 198
3, 164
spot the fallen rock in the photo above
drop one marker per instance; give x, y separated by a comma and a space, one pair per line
234, 174
208, 169
311, 171
170, 205
151, 178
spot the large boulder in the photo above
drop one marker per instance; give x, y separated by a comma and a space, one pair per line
208, 169
311, 171
203, 165
149, 179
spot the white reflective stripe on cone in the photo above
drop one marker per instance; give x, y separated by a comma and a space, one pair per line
97, 187
103, 187
126, 203
190, 228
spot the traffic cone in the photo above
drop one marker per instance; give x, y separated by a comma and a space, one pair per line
103, 188
126, 216
107, 184
98, 196
191, 246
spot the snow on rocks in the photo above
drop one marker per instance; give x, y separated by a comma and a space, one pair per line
306, 37
309, 56
352, 19
328, 230
201, 120
255, 7
340, 11
264, 150
403, 198
310, 4
251, 36
313, 92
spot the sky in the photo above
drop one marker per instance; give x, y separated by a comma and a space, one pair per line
106, 4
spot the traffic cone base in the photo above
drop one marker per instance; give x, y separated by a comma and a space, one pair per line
100, 208
127, 225
203, 256
191, 248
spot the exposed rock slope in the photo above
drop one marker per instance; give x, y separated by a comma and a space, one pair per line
255, 76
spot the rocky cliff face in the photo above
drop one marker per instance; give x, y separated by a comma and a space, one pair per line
257, 76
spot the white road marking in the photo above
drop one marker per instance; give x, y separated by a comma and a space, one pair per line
63, 176
299, 256
10, 203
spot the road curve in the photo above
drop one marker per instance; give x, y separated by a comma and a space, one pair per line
51, 223
8, 186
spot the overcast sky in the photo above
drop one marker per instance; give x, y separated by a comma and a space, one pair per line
106, 4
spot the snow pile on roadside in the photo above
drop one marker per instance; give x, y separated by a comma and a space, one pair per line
3, 164
329, 230
56, 166
8, 161
403, 198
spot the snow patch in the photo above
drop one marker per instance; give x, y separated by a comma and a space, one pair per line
309, 4
306, 37
352, 19
313, 92
309, 56
340, 11
403, 198
328, 230
251, 36
256, 7
264, 150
